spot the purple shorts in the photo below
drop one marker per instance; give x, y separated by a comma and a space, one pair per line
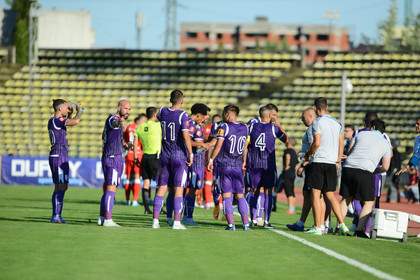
260, 177
113, 168
173, 172
59, 166
231, 180
196, 178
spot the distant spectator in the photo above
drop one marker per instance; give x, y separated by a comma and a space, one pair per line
409, 181
348, 135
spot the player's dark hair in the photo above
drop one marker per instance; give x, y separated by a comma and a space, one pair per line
349, 126
200, 108
215, 116
150, 111
57, 103
369, 117
261, 110
232, 108
271, 106
140, 116
321, 103
378, 124
176, 96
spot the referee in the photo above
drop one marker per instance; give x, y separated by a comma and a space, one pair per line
150, 135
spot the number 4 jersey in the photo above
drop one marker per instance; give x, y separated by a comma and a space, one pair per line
231, 153
261, 148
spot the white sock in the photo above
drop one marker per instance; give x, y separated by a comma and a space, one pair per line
300, 223
322, 227
327, 224
342, 224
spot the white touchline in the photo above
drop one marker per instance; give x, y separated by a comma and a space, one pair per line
362, 266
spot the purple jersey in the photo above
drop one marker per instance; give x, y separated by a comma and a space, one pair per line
58, 136
231, 153
173, 122
253, 120
112, 138
199, 154
215, 127
262, 143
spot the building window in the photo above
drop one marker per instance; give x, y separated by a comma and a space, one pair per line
191, 34
207, 34
191, 49
321, 53
322, 37
303, 37
219, 35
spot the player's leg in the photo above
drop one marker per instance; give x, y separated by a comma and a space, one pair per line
290, 194
243, 209
60, 170
365, 214
260, 206
162, 186
145, 195
128, 181
136, 185
268, 206
307, 203
179, 172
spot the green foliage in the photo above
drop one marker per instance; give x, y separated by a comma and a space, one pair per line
411, 35
284, 44
386, 27
271, 46
21, 34
221, 47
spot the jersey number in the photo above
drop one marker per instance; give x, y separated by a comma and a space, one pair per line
260, 143
171, 127
241, 144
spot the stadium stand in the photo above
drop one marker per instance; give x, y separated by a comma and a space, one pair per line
99, 78
386, 83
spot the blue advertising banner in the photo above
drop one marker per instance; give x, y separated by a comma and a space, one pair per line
36, 171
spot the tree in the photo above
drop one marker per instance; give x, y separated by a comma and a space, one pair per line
284, 44
386, 27
21, 34
411, 34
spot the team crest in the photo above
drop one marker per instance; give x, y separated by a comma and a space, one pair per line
62, 119
192, 128
187, 123
199, 133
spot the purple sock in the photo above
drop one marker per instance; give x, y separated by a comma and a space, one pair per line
260, 205
54, 204
169, 205
102, 209
357, 207
178, 205
60, 198
367, 227
253, 205
189, 206
268, 206
228, 209
243, 210
157, 206
109, 204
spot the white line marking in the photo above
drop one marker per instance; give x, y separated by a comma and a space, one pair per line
357, 264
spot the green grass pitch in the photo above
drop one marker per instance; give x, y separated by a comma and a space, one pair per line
33, 248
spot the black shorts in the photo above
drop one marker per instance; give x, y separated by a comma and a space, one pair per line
323, 177
149, 166
306, 187
289, 186
358, 184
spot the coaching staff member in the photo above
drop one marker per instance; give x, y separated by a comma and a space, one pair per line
150, 135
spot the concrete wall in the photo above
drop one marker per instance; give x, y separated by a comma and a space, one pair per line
65, 29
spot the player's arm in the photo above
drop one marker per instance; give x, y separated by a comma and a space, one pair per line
216, 151
340, 149
135, 145
187, 140
414, 160
386, 162
314, 146
76, 119
287, 162
245, 154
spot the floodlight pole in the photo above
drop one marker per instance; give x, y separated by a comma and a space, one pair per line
343, 99
33, 56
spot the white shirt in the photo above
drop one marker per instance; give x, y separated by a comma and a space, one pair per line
330, 130
369, 148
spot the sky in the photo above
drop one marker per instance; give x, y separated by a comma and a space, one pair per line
115, 20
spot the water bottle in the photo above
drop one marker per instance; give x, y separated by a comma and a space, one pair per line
74, 105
